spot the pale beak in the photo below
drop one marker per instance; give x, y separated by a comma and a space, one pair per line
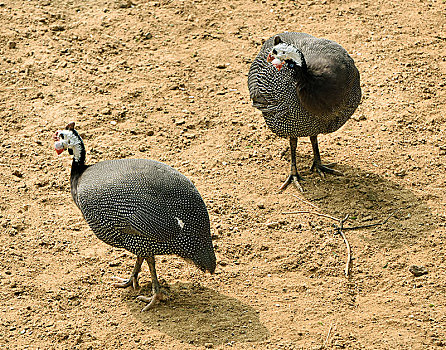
58, 147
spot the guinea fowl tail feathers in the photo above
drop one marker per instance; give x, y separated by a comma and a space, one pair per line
205, 260
204, 257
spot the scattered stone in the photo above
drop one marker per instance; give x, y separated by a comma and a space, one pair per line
261, 205
273, 224
180, 121
189, 135
418, 271
146, 36
72, 295
17, 173
37, 96
57, 28
106, 111
208, 345
361, 117
125, 4
12, 45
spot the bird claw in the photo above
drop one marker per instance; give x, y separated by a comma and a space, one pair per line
323, 169
292, 179
152, 301
132, 281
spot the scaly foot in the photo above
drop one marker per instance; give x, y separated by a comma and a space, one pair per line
152, 301
132, 281
292, 179
322, 169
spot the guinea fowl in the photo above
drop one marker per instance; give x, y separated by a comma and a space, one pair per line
304, 86
140, 205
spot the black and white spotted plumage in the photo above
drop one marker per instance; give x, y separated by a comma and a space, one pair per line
141, 205
276, 93
315, 95
146, 207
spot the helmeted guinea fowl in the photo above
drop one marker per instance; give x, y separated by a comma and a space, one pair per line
141, 205
304, 86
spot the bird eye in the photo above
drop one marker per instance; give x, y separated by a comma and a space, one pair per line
274, 52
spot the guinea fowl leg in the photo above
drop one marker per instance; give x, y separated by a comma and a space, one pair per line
157, 296
317, 164
294, 177
133, 280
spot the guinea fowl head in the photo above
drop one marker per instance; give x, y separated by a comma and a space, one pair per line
67, 139
282, 53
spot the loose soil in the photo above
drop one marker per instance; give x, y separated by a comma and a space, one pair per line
167, 80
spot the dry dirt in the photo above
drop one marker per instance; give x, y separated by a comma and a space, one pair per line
167, 80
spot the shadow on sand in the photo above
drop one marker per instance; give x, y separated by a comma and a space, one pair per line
369, 198
197, 315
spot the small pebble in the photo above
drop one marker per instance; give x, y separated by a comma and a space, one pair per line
418, 270
57, 28
189, 135
273, 224
125, 4
12, 44
17, 173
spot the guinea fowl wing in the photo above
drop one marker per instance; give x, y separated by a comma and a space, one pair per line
136, 199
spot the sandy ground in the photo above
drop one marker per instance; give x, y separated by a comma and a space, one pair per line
167, 80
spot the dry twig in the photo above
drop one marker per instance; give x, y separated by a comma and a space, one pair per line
349, 252
339, 229
328, 335
306, 202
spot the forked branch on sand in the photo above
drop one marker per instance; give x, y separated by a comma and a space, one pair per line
340, 229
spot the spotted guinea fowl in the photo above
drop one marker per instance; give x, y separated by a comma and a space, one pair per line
304, 86
140, 205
